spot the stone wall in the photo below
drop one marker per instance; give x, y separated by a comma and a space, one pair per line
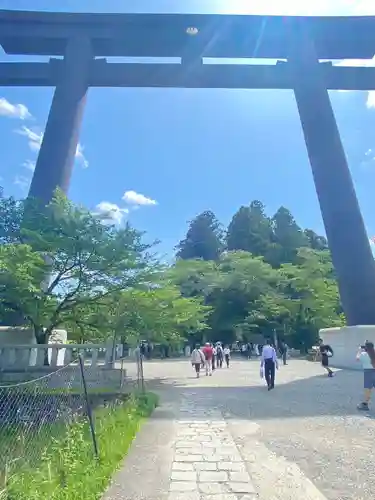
67, 378
345, 341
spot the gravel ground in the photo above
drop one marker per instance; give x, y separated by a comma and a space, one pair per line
303, 440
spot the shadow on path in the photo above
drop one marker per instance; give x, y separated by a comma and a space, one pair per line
314, 396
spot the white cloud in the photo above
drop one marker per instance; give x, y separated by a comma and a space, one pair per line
22, 182
29, 165
35, 139
370, 103
110, 212
14, 110
134, 198
81, 156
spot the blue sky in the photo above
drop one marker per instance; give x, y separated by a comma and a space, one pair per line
161, 156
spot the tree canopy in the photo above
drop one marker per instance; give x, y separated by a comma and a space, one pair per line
61, 266
272, 276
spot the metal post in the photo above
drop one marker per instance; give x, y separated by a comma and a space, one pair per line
88, 407
141, 372
345, 229
56, 157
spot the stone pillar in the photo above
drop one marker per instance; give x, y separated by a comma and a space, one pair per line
56, 157
346, 234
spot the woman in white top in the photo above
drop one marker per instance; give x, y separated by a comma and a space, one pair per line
197, 359
366, 355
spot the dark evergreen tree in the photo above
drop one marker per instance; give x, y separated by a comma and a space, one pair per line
315, 241
250, 230
203, 239
287, 236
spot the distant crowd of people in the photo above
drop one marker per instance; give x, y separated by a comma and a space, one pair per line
210, 357
214, 355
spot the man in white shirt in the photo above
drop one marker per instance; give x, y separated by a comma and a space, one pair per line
269, 363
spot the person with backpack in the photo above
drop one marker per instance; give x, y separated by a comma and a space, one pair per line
366, 355
326, 352
197, 359
208, 354
219, 355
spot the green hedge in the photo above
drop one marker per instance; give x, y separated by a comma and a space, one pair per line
68, 469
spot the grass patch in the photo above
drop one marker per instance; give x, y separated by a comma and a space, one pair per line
68, 469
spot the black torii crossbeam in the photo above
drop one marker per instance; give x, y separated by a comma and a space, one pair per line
300, 43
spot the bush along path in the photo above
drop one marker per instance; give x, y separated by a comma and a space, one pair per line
68, 469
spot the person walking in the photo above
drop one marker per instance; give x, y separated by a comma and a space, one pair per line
197, 359
213, 357
248, 350
366, 355
208, 353
326, 352
227, 355
268, 364
219, 355
283, 351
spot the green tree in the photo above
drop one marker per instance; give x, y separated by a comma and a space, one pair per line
313, 296
86, 260
288, 237
203, 239
315, 241
250, 230
11, 214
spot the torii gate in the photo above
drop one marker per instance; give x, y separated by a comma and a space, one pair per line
300, 42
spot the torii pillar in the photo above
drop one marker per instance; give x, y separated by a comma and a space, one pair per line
345, 229
60, 140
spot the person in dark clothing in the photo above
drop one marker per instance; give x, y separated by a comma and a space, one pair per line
142, 349
283, 351
219, 355
248, 351
326, 352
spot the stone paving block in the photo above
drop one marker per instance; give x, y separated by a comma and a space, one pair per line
189, 451
232, 466
186, 444
241, 487
225, 457
224, 496
211, 488
188, 458
183, 486
239, 477
212, 476
205, 466
190, 495
179, 475
182, 466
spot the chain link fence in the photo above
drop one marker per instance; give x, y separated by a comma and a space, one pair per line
39, 418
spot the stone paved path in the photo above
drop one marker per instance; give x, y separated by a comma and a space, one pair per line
227, 438
207, 464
